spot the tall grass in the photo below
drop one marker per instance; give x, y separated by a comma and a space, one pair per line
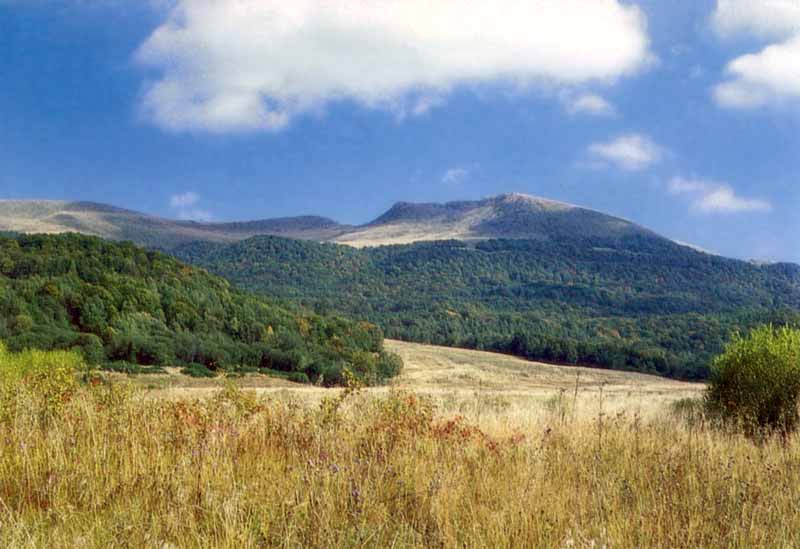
112, 466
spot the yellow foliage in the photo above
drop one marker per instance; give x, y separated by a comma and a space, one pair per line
303, 326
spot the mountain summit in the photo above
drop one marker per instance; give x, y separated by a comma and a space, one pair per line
515, 216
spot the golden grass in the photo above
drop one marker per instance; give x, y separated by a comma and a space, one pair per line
360, 470
514, 460
466, 382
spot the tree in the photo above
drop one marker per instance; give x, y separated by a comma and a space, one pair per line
756, 382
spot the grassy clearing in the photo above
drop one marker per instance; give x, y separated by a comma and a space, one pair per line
106, 464
489, 388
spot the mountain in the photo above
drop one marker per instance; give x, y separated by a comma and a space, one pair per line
627, 300
505, 216
513, 273
128, 307
53, 216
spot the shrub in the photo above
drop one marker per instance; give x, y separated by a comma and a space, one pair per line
91, 347
756, 381
198, 370
298, 377
389, 365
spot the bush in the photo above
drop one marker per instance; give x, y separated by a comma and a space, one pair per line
298, 377
756, 382
389, 365
198, 370
91, 347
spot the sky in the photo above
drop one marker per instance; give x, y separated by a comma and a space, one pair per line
683, 116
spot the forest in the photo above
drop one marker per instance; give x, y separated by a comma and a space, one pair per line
636, 303
131, 309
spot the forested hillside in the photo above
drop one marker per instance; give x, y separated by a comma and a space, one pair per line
123, 306
635, 302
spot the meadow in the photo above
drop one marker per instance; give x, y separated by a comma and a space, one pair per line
508, 454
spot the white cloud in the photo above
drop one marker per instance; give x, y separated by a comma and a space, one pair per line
234, 65
760, 18
455, 176
630, 152
184, 205
714, 197
769, 76
591, 104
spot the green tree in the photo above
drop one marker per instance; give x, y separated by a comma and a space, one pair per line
756, 382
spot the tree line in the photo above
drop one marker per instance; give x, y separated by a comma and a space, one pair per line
129, 308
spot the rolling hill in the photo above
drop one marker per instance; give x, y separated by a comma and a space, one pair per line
505, 216
110, 222
636, 302
126, 307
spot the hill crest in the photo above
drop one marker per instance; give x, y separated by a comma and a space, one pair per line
511, 215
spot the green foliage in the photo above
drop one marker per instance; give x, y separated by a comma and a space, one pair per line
137, 310
638, 303
756, 382
198, 370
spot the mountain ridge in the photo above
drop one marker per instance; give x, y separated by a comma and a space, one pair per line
510, 215
116, 223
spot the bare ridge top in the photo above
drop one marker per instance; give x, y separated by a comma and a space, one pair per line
511, 215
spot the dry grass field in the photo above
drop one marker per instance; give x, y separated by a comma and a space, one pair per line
469, 382
467, 450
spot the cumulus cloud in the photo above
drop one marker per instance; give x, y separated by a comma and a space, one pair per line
185, 207
710, 197
590, 104
630, 152
769, 76
762, 18
235, 65
454, 176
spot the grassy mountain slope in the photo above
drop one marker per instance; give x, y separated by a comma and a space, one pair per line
53, 216
122, 304
504, 216
634, 302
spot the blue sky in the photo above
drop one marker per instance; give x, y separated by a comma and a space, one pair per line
683, 116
